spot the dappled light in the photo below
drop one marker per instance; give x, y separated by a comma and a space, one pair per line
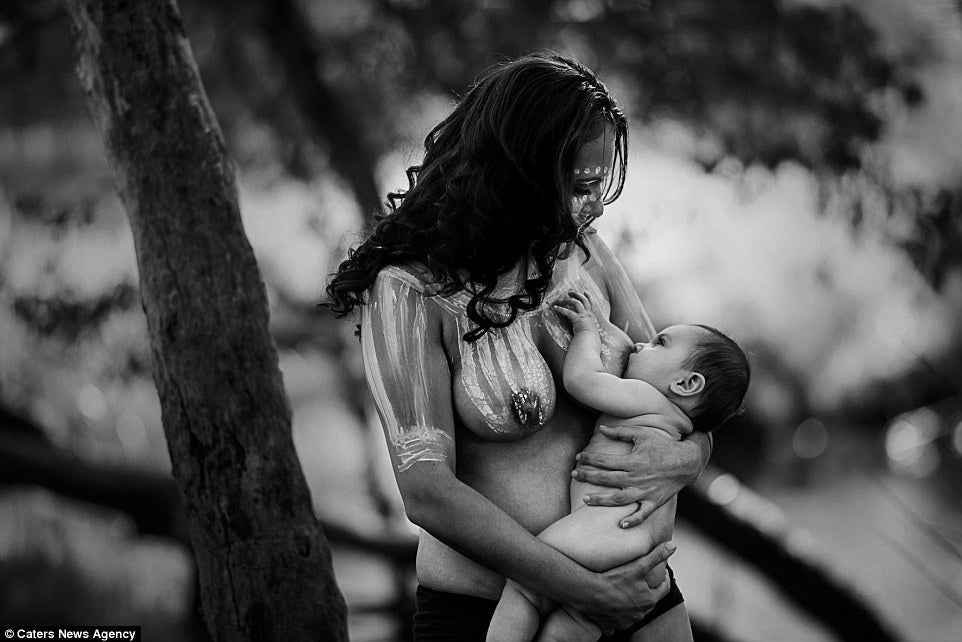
794, 179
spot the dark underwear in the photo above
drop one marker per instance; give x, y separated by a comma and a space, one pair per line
452, 617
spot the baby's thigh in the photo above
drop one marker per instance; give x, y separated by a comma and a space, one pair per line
592, 537
564, 625
517, 593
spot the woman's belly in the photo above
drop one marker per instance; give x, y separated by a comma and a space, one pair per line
527, 478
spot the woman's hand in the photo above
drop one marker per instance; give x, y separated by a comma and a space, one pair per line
627, 593
651, 474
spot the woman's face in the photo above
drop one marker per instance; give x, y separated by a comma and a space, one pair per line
592, 172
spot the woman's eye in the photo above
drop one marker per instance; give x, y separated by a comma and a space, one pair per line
581, 191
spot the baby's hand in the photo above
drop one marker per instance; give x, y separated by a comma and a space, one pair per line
576, 307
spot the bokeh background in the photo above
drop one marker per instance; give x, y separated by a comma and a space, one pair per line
795, 178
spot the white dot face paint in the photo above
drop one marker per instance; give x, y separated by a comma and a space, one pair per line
592, 165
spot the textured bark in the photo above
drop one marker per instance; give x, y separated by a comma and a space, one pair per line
264, 564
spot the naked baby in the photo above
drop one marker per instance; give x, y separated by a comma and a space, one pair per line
692, 369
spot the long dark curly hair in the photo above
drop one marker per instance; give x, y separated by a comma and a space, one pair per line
493, 192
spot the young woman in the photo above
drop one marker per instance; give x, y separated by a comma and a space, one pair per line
463, 352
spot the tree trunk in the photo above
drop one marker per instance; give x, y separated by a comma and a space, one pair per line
264, 563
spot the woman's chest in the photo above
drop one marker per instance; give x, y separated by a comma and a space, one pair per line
505, 386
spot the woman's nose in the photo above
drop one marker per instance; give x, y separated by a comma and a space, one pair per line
596, 202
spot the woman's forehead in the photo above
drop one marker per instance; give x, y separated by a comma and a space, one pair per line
597, 155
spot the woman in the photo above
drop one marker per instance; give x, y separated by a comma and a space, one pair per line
462, 350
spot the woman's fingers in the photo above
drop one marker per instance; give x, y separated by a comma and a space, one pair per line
660, 554
661, 590
620, 497
603, 460
602, 477
651, 568
657, 575
637, 587
621, 433
644, 510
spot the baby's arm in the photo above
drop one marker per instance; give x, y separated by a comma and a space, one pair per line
585, 378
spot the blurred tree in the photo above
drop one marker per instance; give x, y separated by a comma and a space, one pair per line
329, 84
770, 80
761, 80
264, 563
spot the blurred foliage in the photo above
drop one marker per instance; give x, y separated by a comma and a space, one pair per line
303, 88
63, 563
771, 80
69, 318
313, 95
768, 80
314, 89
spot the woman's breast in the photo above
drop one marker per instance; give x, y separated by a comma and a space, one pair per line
505, 385
502, 387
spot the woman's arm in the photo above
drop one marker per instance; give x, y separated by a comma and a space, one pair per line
656, 469
465, 520
409, 375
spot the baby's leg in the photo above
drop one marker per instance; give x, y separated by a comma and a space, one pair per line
517, 615
671, 626
564, 625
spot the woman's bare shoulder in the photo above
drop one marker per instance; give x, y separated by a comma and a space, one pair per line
411, 274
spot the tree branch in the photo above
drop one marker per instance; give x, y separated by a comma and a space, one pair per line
802, 580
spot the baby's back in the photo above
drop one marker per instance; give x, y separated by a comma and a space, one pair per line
600, 443
591, 535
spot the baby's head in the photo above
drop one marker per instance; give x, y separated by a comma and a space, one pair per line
700, 369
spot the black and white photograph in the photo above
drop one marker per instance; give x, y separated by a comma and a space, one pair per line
481, 320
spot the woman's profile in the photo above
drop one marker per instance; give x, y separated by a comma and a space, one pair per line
464, 353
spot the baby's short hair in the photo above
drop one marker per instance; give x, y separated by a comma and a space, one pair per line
727, 372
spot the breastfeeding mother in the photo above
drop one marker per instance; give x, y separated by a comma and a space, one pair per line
464, 354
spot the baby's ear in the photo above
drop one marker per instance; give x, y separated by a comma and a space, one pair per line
688, 385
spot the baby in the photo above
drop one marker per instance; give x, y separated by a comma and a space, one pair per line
689, 368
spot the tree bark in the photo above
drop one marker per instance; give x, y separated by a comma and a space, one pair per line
264, 563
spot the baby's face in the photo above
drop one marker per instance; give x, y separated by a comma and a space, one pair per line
665, 358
